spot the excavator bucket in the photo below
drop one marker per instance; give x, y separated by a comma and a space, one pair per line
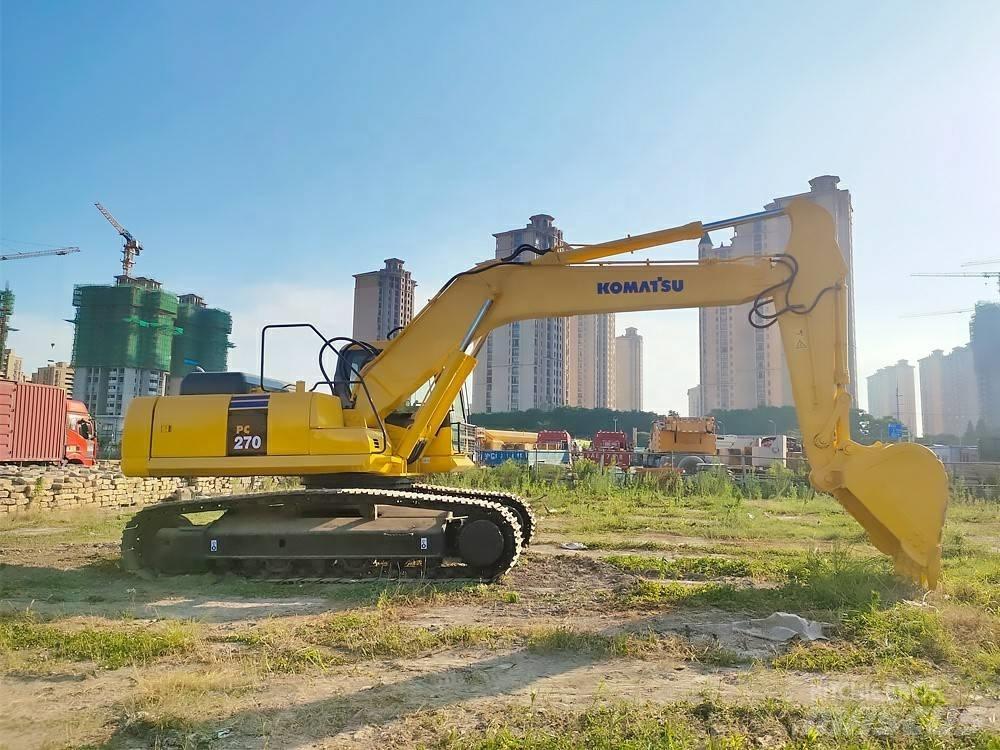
899, 494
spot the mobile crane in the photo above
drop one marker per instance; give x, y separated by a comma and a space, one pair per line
360, 449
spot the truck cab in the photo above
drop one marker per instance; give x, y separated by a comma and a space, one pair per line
81, 437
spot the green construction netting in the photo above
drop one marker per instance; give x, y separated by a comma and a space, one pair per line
204, 342
124, 326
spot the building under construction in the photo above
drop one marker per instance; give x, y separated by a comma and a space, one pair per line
203, 340
6, 311
131, 337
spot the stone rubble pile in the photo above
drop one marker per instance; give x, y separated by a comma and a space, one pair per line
104, 486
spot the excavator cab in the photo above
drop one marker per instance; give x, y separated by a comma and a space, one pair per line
351, 360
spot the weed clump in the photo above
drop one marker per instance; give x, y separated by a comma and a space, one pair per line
110, 648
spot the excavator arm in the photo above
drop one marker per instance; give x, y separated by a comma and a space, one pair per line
358, 449
897, 492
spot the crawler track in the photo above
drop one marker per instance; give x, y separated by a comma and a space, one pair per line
139, 540
520, 507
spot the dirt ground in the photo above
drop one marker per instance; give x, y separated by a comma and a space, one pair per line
220, 696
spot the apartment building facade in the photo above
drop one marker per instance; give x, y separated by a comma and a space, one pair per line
742, 367
590, 361
58, 374
523, 365
892, 393
628, 371
949, 397
383, 301
13, 367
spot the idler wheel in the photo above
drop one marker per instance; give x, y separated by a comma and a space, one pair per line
480, 543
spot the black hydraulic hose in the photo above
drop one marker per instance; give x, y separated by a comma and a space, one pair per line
506, 260
328, 342
768, 296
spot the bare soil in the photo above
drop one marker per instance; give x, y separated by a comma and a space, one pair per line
376, 702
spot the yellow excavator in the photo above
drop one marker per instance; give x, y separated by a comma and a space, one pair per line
361, 447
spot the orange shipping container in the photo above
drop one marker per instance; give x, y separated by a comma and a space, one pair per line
32, 422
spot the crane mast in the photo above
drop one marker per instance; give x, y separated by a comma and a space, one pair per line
131, 249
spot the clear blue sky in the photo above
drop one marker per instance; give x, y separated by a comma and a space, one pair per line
264, 152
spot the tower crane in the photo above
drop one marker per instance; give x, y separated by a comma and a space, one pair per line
7, 296
132, 247
939, 312
968, 274
994, 261
40, 253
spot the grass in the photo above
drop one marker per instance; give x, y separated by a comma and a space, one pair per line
918, 720
110, 648
29, 528
171, 700
685, 568
756, 552
900, 640
374, 634
812, 583
382, 634
877, 625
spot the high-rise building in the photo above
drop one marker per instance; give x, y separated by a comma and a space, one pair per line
949, 399
695, 406
58, 373
12, 367
743, 367
383, 301
891, 393
984, 335
523, 364
628, 371
590, 361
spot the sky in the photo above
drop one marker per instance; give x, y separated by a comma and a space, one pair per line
265, 152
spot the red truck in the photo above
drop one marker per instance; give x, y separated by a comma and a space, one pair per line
554, 440
610, 448
39, 424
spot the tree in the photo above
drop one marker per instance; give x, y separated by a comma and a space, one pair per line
867, 429
764, 420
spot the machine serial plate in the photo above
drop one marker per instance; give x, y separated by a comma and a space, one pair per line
246, 431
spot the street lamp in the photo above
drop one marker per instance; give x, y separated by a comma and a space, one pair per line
774, 427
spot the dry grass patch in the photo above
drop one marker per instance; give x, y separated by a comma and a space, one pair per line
180, 700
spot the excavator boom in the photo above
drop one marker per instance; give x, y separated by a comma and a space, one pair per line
365, 430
